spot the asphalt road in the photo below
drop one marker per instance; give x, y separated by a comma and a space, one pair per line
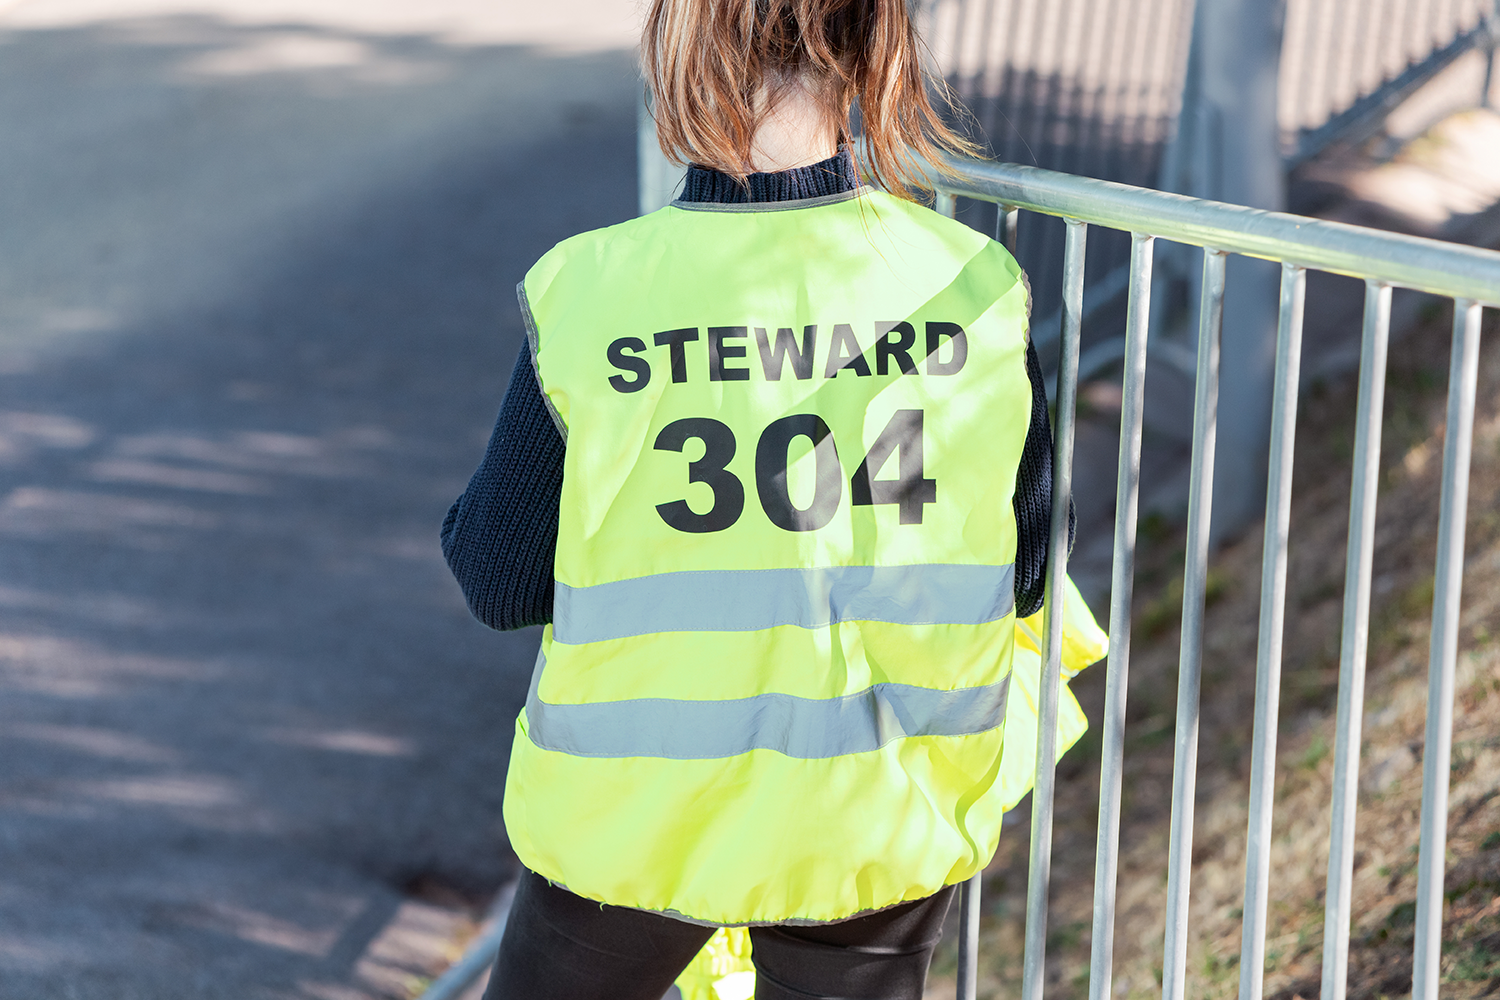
256, 316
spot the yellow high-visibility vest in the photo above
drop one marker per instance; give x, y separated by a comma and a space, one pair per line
724, 969
776, 680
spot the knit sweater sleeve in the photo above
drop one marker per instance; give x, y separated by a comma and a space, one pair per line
1033, 498
500, 537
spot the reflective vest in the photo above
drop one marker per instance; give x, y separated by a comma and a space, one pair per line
775, 684
724, 969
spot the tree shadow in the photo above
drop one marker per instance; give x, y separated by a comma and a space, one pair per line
258, 316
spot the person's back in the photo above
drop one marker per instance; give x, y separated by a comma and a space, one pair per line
752, 647
772, 690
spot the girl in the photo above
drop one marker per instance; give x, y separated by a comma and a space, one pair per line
774, 468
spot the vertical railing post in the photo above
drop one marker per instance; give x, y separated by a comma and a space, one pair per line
1122, 584
1007, 226
1492, 46
1194, 588
945, 203
657, 179
1190, 653
1035, 958
1354, 646
1463, 373
968, 937
1272, 623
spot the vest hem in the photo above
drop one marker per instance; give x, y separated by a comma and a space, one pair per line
788, 922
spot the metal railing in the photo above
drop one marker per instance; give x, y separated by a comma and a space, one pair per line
1384, 260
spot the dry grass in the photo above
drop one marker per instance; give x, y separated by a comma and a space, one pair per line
1385, 880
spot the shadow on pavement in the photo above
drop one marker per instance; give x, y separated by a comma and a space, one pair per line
256, 317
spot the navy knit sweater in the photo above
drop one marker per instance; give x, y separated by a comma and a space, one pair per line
500, 537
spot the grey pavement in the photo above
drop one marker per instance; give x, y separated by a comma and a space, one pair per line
256, 316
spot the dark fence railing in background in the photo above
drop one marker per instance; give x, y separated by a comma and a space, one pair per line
1345, 64
1094, 88
1087, 87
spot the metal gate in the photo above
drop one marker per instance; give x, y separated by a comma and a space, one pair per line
1472, 278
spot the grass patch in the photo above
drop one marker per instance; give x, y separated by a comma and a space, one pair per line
1478, 964
1402, 915
1164, 611
1067, 937
1314, 754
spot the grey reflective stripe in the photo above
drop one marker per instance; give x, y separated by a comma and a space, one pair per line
807, 728
747, 600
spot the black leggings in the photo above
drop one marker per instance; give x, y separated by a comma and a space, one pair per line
559, 946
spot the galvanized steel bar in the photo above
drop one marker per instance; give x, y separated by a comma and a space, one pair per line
1035, 958
1107, 844
1463, 372
1491, 21
968, 937
1272, 622
945, 203
1355, 643
1408, 261
1065, 398
1007, 226
478, 956
1190, 654
1034, 961
1122, 584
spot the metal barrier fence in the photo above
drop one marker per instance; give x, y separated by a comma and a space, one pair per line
1384, 260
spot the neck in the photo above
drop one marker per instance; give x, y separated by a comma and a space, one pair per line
794, 131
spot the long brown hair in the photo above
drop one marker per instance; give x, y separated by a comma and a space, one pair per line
716, 68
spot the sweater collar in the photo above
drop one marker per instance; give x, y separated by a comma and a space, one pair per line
833, 176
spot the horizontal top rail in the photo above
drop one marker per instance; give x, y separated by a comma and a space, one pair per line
1427, 265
